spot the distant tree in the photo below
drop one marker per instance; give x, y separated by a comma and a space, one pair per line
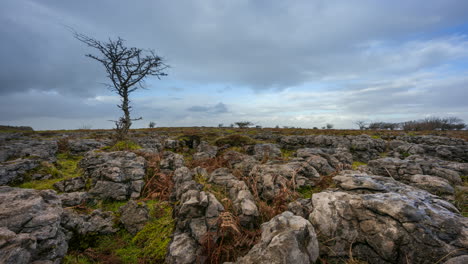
330, 126
277, 126
315, 128
244, 124
127, 68
361, 124
151, 124
220, 125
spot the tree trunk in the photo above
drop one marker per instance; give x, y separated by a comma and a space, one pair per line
126, 110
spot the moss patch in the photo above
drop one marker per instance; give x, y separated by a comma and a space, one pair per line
356, 164
147, 246
66, 167
123, 145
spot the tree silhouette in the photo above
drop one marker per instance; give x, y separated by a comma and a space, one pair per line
127, 68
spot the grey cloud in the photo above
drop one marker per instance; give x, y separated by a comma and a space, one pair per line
269, 44
216, 109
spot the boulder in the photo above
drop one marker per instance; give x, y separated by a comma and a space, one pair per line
242, 199
70, 185
380, 220
44, 150
30, 226
266, 151
73, 198
286, 238
114, 175
171, 161
134, 216
78, 225
82, 145
13, 172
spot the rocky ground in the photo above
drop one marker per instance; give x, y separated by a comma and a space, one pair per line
232, 196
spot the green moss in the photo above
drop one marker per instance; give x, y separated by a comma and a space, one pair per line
356, 164
76, 259
306, 192
154, 238
376, 137
147, 246
383, 154
287, 153
66, 167
123, 145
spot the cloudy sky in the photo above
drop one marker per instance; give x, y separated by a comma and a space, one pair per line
273, 62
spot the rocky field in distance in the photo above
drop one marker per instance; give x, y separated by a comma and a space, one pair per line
223, 195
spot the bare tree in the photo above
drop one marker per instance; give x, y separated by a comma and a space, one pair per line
244, 124
127, 68
361, 124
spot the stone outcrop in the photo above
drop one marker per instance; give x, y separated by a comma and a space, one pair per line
79, 225
441, 147
30, 226
13, 172
403, 169
285, 239
73, 198
82, 145
196, 214
171, 161
381, 220
71, 185
362, 147
41, 149
114, 175
242, 199
134, 216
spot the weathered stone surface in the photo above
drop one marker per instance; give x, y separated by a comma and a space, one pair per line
12, 172
273, 178
183, 249
171, 161
243, 200
196, 214
205, 151
285, 239
362, 147
114, 175
30, 226
16, 248
73, 198
95, 223
154, 144
266, 151
82, 145
71, 185
134, 216
403, 169
301, 207
453, 149
384, 221
42, 149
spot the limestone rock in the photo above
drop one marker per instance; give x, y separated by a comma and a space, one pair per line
30, 226
285, 239
384, 221
114, 175
134, 216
